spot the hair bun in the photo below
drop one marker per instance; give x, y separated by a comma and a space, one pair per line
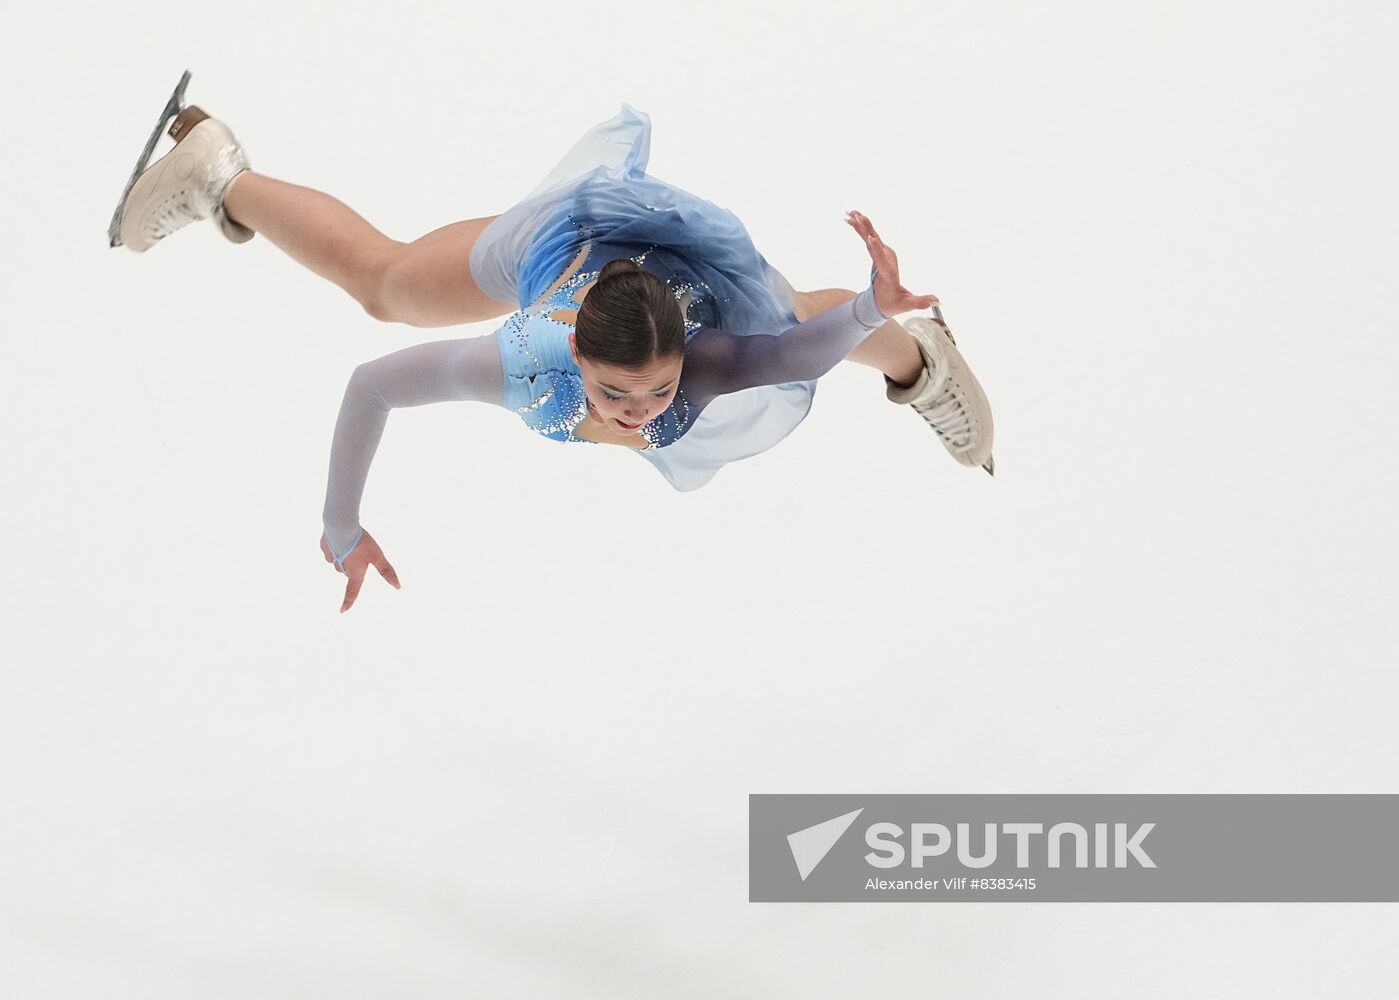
621, 265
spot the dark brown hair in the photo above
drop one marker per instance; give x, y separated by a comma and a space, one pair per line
628, 318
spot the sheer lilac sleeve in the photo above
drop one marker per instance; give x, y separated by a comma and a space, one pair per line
717, 362
441, 371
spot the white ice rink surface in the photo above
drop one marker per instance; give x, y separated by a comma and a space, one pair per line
1165, 236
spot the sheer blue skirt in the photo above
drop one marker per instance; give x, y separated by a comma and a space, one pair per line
600, 195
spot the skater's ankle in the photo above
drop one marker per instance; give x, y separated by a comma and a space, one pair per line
230, 199
902, 382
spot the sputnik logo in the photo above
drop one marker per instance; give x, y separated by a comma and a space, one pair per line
811, 845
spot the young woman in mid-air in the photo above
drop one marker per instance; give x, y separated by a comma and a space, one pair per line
637, 314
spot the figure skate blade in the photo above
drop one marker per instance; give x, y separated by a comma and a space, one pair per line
172, 107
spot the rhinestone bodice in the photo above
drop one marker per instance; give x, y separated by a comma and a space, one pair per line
601, 195
558, 402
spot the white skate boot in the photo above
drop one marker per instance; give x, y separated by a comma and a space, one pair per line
947, 394
185, 184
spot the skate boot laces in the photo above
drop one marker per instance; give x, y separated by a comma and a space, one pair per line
200, 195
178, 210
952, 401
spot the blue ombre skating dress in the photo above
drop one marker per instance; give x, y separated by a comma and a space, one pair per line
600, 194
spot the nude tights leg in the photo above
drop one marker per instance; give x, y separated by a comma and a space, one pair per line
425, 283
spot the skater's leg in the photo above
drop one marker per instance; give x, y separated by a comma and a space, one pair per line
890, 348
316, 230
429, 283
425, 283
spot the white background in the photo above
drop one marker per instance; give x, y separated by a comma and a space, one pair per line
1165, 236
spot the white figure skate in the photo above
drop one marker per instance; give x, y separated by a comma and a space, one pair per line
185, 184
947, 394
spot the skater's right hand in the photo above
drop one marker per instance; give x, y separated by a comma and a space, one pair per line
890, 296
366, 553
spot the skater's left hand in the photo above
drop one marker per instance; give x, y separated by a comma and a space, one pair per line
366, 553
891, 297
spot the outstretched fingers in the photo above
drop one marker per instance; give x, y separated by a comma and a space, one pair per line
865, 228
352, 589
359, 571
885, 260
387, 572
886, 264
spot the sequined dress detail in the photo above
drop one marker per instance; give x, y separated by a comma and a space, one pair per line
601, 196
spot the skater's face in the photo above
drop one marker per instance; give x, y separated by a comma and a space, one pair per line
625, 399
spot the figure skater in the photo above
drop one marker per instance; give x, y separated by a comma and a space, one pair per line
638, 314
